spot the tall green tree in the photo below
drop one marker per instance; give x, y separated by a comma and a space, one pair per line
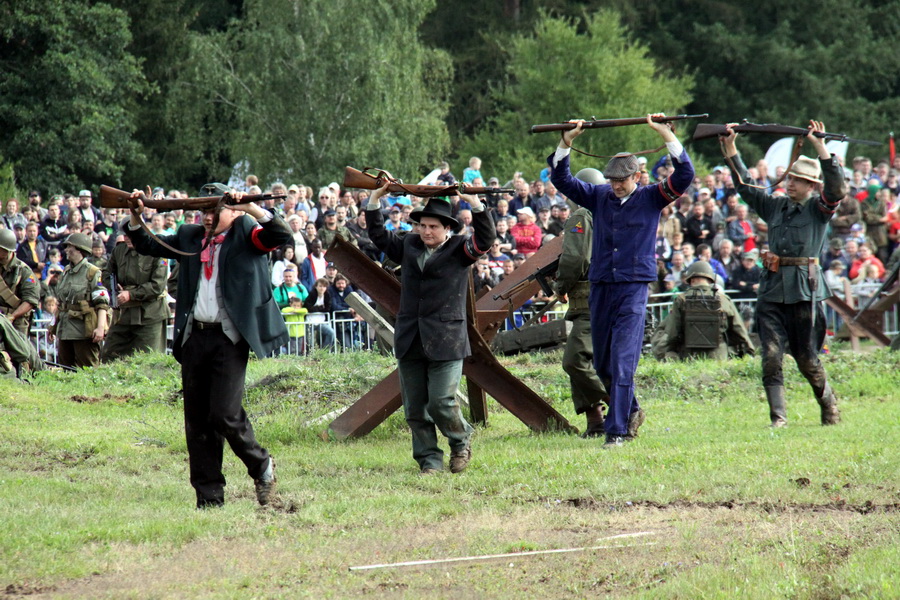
301, 89
570, 68
832, 60
67, 93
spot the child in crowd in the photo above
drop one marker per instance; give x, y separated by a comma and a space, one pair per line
295, 318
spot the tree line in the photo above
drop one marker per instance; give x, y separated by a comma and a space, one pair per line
178, 92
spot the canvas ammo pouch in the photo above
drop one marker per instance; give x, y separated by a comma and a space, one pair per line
702, 321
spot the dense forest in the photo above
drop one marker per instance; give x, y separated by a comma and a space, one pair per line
178, 92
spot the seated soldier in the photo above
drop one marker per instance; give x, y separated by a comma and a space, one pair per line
703, 323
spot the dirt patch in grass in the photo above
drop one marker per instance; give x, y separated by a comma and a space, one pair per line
305, 560
122, 399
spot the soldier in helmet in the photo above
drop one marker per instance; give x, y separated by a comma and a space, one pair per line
19, 295
789, 309
704, 322
588, 392
19, 290
139, 319
623, 263
83, 306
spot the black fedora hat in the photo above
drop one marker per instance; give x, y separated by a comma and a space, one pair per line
439, 208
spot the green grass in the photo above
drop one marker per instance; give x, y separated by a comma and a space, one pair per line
96, 501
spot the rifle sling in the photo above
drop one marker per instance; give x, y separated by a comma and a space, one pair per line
9, 296
156, 238
671, 125
795, 154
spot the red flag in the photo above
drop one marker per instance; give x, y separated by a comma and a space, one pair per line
893, 148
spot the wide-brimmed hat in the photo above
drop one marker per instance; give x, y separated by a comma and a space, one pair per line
439, 208
621, 166
806, 168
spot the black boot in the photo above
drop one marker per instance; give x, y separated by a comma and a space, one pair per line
777, 411
828, 403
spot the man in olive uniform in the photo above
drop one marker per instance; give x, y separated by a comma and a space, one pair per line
19, 290
704, 322
330, 228
83, 305
16, 351
588, 392
139, 320
792, 287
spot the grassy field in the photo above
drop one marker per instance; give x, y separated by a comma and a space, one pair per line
96, 502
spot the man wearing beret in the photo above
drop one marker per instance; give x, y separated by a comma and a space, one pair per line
791, 289
430, 336
623, 263
224, 309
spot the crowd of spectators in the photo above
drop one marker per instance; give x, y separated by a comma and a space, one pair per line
708, 223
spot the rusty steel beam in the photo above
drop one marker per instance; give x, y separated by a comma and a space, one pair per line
865, 326
509, 391
371, 410
483, 372
380, 285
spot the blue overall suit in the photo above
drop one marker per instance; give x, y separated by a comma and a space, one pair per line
623, 264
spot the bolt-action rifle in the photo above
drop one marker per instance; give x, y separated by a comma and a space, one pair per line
709, 130
354, 178
601, 123
110, 197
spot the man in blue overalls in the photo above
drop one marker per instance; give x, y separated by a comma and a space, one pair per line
625, 220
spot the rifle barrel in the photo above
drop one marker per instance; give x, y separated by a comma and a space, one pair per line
601, 123
111, 197
710, 130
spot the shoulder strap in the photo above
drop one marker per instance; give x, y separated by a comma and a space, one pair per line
8, 295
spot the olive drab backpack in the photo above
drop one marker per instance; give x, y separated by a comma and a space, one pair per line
703, 319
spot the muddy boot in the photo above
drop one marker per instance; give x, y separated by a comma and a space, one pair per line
777, 411
828, 403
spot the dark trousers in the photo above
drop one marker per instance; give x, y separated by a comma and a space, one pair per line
617, 332
78, 353
428, 388
792, 323
125, 340
212, 374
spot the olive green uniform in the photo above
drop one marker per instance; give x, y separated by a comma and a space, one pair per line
698, 326
81, 294
21, 286
17, 349
571, 279
326, 236
138, 325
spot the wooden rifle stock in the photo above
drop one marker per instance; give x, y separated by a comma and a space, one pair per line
111, 197
710, 130
354, 178
601, 123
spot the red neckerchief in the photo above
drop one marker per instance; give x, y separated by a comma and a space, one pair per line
208, 255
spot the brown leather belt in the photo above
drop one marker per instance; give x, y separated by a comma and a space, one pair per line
773, 262
202, 325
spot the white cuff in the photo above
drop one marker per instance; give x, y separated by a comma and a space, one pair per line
675, 148
561, 153
265, 218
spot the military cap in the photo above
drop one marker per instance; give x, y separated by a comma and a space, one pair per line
215, 189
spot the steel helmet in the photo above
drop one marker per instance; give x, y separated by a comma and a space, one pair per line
590, 175
8, 240
79, 241
700, 268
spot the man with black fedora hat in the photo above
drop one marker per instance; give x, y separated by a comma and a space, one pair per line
430, 337
623, 263
791, 289
224, 309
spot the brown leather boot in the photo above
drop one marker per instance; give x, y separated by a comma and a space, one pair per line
828, 403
